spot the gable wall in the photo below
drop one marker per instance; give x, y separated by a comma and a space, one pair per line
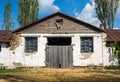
48, 26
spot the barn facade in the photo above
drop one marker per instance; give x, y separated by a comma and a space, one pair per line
59, 41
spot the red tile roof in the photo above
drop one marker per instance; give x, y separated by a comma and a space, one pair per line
5, 35
113, 35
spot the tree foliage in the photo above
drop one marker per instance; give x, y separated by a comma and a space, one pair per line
116, 50
106, 12
8, 24
27, 11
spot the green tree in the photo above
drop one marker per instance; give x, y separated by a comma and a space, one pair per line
116, 50
106, 12
27, 11
8, 24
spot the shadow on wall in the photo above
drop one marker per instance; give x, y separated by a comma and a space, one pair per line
112, 59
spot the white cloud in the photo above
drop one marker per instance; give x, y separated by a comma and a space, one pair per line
47, 6
116, 28
118, 12
88, 14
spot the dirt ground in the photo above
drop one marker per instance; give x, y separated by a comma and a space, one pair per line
61, 75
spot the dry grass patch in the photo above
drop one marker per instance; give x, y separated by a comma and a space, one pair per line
59, 75
2, 80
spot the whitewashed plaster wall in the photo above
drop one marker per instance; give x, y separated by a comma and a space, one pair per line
109, 58
100, 55
38, 58
30, 59
94, 58
4, 54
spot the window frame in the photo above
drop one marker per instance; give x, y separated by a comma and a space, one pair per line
90, 45
59, 21
0, 47
27, 50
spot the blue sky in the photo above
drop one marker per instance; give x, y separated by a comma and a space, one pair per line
80, 9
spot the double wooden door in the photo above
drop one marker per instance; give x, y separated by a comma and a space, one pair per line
59, 56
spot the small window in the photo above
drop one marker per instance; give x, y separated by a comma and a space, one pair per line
86, 44
59, 21
30, 44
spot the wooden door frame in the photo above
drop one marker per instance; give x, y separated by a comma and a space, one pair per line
70, 52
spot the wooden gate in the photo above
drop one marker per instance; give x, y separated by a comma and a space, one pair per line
59, 56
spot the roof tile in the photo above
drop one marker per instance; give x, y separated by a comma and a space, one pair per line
5, 35
113, 35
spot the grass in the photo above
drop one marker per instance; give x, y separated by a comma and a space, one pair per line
59, 75
113, 67
12, 70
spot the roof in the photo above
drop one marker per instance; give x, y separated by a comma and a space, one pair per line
60, 14
113, 35
5, 35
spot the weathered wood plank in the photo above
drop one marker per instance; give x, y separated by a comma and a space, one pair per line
70, 50
55, 57
59, 56
69, 26
47, 57
67, 57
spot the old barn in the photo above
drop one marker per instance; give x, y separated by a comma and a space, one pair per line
58, 41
